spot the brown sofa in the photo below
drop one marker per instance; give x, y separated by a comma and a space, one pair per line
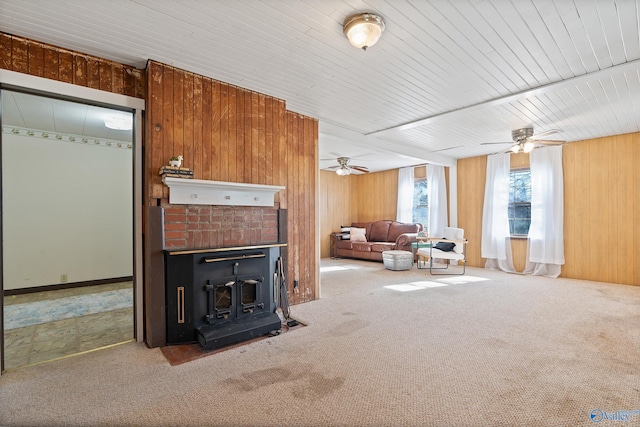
383, 235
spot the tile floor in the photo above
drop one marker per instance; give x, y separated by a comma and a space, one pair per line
48, 341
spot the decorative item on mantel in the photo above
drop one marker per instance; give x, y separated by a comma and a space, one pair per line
174, 170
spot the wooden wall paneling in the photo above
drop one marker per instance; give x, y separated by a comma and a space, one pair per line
602, 227
223, 150
93, 73
571, 218
203, 158
247, 137
178, 113
261, 157
268, 141
199, 117
168, 114
232, 137
623, 193
36, 59
6, 51
214, 173
189, 121
66, 70
105, 75
255, 138
79, 70
156, 124
241, 135
635, 205
117, 79
51, 63
20, 56
519, 253
43, 60
471, 183
334, 207
283, 156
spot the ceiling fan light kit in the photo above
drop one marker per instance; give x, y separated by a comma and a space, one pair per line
363, 30
525, 140
344, 167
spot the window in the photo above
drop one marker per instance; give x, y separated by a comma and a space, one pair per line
519, 202
420, 202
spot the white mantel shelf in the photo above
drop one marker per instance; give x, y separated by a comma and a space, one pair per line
217, 193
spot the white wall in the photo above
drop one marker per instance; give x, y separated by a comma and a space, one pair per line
67, 209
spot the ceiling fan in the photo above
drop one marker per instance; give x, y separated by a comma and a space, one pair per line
345, 168
525, 140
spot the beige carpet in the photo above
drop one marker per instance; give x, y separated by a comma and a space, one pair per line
381, 348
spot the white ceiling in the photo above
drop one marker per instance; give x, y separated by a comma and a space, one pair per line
445, 77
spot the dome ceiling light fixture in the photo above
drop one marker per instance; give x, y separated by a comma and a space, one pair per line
363, 30
119, 121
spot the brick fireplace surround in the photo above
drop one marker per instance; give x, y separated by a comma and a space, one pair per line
200, 227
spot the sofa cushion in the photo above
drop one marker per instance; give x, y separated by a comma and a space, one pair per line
382, 246
357, 234
365, 225
398, 228
361, 246
379, 231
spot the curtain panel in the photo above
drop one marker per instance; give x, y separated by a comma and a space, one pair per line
404, 212
495, 245
546, 234
437, 193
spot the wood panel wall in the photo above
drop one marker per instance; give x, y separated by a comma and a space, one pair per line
227, 133
335, 206
43, 60
374, 196
602, 201
602, 209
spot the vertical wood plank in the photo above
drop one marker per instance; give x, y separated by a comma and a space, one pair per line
79, 70
232, 136
214, 155
178, 112
203, 150
66, 71
51, 63
105, 76
5, 51
262, 134
255, 136
190, 120
20, 56
167, 116
247, 137
268, 137
156, 130
198, 123
240, 135
223, 152
36, 59
93, 73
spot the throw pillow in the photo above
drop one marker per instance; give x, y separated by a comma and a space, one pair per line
358, 234
345, 232
445, 246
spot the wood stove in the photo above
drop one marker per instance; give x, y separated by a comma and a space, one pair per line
218, 297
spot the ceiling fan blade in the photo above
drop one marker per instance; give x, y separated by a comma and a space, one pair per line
360, 169
493, 143
333, 167
541, 135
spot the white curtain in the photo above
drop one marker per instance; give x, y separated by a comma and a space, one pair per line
495, 246
405, 195
546, 233
437, 193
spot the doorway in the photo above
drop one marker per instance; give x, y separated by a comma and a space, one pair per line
68, 227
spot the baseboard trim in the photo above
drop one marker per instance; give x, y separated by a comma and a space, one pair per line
59, 286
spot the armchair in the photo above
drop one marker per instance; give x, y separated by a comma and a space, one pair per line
457, 253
